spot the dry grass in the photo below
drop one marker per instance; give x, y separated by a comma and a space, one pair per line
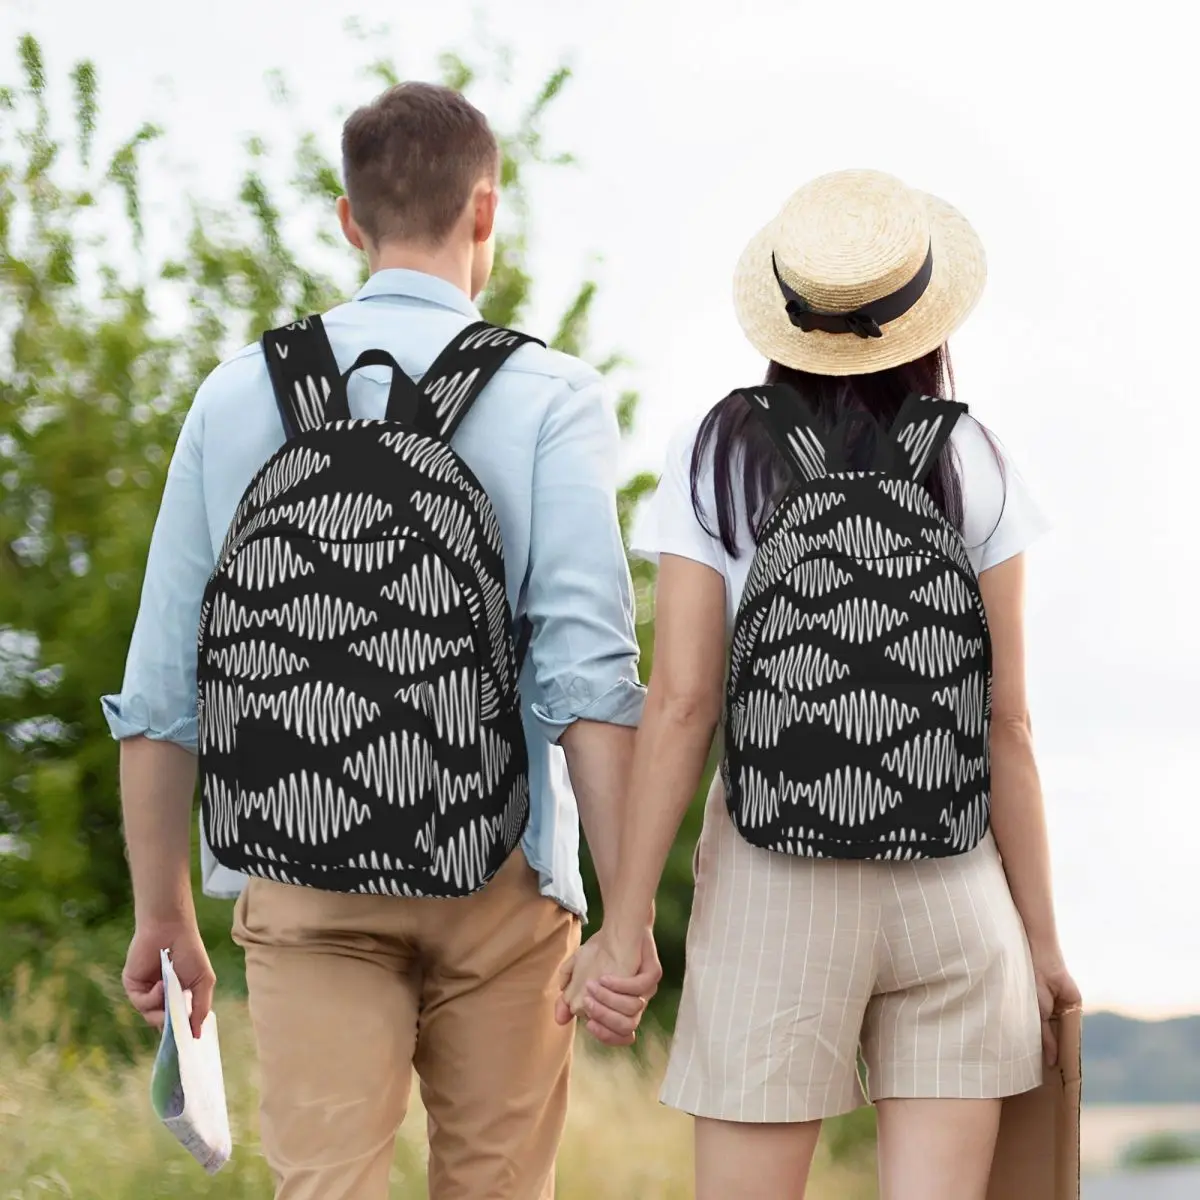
72, 1125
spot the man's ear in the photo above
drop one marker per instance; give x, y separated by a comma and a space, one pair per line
350, 228
487, 198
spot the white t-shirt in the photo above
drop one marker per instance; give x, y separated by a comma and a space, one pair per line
1000, 518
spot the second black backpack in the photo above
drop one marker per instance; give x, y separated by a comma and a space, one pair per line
859, 692
360, 728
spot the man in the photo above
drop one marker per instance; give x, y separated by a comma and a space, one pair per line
349, 992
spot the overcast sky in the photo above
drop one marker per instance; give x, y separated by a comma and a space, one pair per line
1065, 135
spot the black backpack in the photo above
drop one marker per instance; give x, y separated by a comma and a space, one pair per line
859, 692
360, 728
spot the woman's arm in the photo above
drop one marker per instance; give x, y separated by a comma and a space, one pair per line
1018, 813
683, 706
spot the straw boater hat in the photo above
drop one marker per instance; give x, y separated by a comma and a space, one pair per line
858, 272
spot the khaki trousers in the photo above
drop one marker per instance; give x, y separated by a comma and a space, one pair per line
348, 993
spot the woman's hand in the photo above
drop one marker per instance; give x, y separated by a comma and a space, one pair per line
1056, 992
610, 987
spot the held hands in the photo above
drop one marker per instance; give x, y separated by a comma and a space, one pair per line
142, 977
609, 987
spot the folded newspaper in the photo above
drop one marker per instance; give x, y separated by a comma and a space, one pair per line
187, 1087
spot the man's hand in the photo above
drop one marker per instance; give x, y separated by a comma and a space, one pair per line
609, 988
142, 977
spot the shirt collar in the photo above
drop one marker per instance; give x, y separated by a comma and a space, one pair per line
397, 281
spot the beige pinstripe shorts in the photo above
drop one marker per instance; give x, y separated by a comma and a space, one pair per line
796, 965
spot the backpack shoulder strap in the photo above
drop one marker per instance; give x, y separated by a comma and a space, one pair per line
920, 431
460, 373
308, 387
791, 426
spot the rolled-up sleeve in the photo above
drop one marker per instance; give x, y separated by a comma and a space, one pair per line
579, 597
158, 694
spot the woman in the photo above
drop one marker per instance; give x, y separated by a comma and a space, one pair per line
941, 969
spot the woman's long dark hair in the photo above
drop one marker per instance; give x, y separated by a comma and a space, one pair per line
867, 404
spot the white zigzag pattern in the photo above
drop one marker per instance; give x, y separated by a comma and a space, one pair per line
265, 563
818, 577
317, 616
311, 397
931, 760
495, 606
759, 800
764, 717
807, 505
864, 715
437, 461
224, 810
933, 651
968, 702
949, 543
856, 537
782, 619
257, 660
318, 712
307, 807
850, 796
800, 668
948, 593
493, 336
488, 698
808, 449
401, 769
896, 568
380, 862
430, 457
495, 754
449, 520
449, 704
448, 394
904, 850
362, 556
856, 620
429, 586
491, 526
745, 632
285, 472
463, 860
313, 616
334, 517
398, 767
220, 708
773, 560
917, 438
907, 493
969, 824
405, 651
804, 841
228, 616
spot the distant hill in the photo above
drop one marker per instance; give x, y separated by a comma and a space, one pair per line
1140, 1062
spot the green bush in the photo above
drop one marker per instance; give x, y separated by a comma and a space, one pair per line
93, 386
1161, 1149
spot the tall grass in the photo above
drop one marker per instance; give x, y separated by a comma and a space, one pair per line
76, 1123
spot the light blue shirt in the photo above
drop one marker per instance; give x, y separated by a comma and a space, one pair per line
543, 440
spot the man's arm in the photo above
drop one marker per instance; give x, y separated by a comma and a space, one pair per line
579, 599
155, 718
598, 760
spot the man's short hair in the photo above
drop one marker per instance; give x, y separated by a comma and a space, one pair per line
410, 160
